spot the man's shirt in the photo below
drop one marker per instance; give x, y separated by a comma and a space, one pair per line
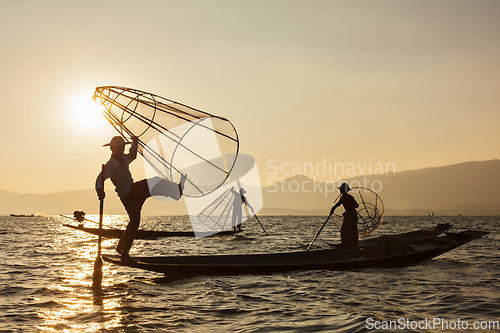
119, 173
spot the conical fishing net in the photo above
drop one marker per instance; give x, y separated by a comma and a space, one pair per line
370, 211
173, 138
223, 212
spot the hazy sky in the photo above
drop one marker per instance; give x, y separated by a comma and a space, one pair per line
412, 83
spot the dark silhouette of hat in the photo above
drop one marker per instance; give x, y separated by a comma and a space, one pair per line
116, 141
345, 187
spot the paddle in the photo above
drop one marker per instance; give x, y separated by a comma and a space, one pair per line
319, 231
245, 200
97, 277
256, 217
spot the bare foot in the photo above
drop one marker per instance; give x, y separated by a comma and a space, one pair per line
126, 258
181, 183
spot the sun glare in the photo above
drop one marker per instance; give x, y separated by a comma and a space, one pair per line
87, 114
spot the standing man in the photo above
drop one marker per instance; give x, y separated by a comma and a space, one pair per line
237, 215
132, 194
349, 230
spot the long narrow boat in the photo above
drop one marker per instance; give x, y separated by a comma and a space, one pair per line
419, 245
146, 234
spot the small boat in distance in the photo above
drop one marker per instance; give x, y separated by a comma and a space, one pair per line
384, 251
21, 215
141, 234
148, 234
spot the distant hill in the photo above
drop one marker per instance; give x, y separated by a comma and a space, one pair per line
470, 188
69, 201
4, 192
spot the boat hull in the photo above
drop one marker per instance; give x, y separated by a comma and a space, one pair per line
146, 234
366, 256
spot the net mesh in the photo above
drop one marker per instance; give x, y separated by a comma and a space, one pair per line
173, 138
370, 211
217, 216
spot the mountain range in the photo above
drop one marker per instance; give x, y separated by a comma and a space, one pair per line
469, 188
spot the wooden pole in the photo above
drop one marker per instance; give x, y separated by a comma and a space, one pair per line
319, 232
255, 216
97, 277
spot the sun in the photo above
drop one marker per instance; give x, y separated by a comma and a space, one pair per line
86, 114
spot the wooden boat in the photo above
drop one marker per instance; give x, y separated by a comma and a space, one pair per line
146, 234
412, 237
419, 245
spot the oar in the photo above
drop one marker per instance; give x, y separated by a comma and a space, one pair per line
257, 218
245, 200
97, 277
319, 231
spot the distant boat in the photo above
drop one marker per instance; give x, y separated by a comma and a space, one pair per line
148, 234
15, 215
394, 251
141, 234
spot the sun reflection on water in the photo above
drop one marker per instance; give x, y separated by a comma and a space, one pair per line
81, 309
81, 314
46, 281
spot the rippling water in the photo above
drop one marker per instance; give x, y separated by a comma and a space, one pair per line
46, 276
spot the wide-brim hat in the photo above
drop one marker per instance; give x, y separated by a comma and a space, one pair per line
116, 141
345, 187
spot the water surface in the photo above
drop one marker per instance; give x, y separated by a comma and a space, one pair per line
46, 276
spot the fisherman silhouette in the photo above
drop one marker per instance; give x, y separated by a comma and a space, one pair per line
239, 200
132, 194
349, 230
